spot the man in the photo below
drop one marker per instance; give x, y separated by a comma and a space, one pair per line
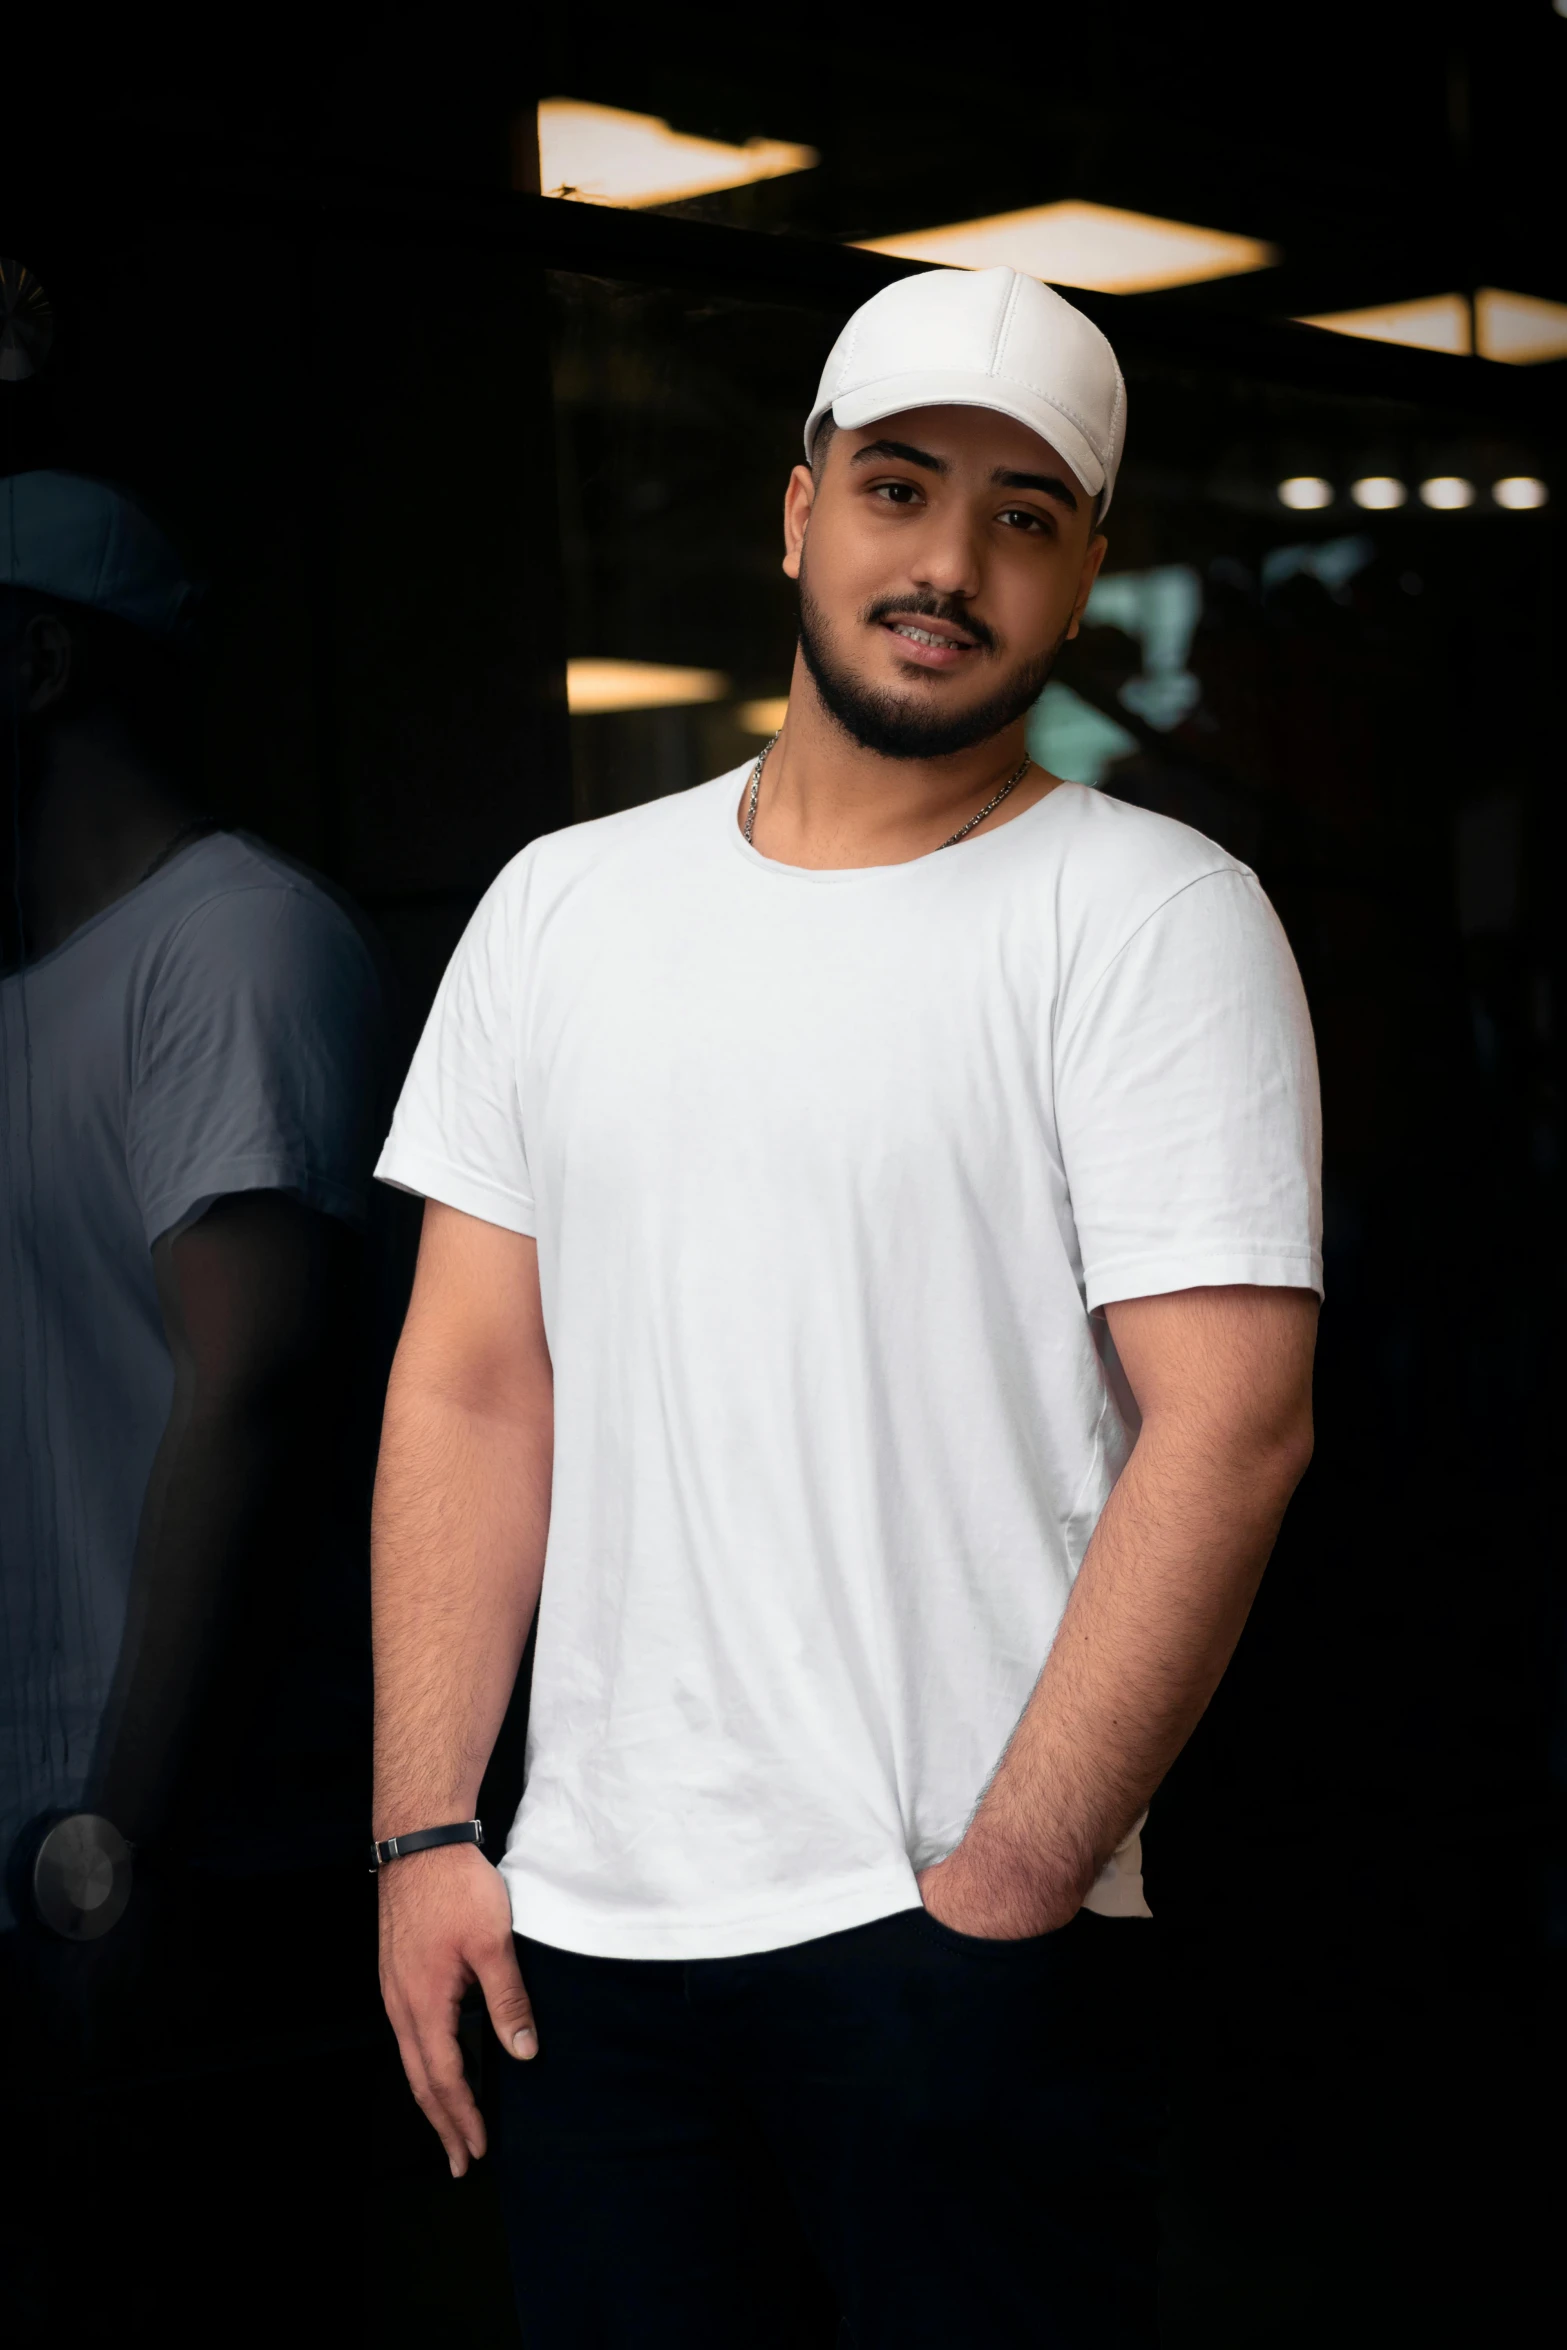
866, 1303
190, 1030
188, 1093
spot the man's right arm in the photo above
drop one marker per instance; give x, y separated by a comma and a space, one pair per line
462, 1504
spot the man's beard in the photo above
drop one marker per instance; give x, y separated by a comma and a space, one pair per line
882, 722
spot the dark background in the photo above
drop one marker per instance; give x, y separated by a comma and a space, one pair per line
430, 433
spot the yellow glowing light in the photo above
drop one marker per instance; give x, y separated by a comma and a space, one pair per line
1305, 492
1438, 323
1378, 492
1073, 244
1519, 328
1447, 492
603, 155
638, 685
764, 717
1519, 492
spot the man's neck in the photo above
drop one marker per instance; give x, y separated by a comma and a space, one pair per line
96, 815
828, 803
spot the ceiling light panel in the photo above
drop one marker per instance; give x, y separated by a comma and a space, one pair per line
1519, 328
1075, 244
1439, 322
603, 155
594, 686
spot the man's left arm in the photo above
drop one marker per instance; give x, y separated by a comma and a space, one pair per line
248, 1144
1222, 1379
259, 1301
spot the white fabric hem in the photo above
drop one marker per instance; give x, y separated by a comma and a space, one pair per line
256, 1171
1157, 1276
545, 1914
429, 1177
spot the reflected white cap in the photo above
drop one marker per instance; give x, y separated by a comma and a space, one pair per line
982, 338
66, 535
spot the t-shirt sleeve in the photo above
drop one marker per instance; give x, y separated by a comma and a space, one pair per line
258, 1059
457, 1133
1187, 1104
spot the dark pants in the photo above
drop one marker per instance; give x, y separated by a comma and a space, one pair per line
919, 2136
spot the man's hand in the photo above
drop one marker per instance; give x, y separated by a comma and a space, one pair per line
446, 1923
976, 1893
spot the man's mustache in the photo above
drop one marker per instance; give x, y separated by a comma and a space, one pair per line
926, 606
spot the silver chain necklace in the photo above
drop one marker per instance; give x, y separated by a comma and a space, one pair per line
748, 827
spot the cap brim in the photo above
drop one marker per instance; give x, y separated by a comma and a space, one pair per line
932, 388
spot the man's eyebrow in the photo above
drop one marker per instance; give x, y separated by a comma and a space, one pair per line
910, 456
1051, 484
1004, 476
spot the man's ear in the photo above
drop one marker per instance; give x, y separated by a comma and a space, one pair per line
799, 498
47, 652
1098, 547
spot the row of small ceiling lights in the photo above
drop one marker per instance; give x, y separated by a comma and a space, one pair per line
1446, 493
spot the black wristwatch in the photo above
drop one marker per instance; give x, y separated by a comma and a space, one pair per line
71, 1870
425, 1840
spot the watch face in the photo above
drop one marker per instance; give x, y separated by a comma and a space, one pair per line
82, 1877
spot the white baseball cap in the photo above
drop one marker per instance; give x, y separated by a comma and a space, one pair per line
982, 338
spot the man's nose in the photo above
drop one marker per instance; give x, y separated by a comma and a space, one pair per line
946, 559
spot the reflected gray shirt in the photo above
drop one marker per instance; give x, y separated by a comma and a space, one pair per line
216, 1030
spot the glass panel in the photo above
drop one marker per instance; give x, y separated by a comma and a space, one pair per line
678, 418
282, 688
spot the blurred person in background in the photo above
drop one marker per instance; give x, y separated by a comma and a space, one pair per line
866, 1305
188, 1091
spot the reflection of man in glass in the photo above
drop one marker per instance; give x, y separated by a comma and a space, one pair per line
867, 1302
189, 1071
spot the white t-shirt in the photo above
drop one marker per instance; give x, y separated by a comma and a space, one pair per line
829, 1172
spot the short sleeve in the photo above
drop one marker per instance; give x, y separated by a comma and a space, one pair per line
258, 1059
457, 1132
1187, 1104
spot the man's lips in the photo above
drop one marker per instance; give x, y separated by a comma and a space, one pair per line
929, 644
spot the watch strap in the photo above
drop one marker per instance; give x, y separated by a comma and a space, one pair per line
425, 1840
